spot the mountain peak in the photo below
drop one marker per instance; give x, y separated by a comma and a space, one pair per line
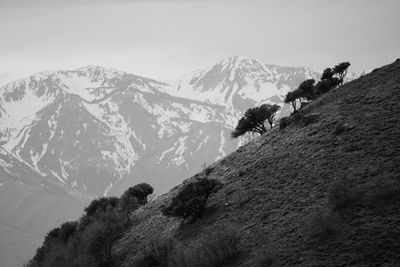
239, 82
99, 69
238, 61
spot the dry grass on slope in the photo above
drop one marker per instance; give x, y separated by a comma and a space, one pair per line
322, 194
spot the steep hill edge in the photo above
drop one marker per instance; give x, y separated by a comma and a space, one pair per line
274, 184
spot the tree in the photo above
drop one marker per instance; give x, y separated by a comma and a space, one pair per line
67, 230
139, 191
272, 110
327, 74
306, 89
254, 119
291, 97
100, 205
99, 238
191, 200
341, 70
324, 86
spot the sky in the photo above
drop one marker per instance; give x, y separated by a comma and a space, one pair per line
165, 39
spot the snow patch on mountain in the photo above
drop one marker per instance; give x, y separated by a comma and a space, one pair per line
108, 113
221, 151
163, 154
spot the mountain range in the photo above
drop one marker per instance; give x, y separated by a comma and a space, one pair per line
67, 137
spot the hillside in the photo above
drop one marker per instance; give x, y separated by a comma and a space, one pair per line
69, 136
277, 187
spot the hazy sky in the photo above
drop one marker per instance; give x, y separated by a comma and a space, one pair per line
164, 39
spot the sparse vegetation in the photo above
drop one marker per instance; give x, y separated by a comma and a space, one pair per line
88, 242
208, 170
191, 200
340, 195
219, 247
298, 119
355, 221
158, 253
384, 187
321, 225
264, 260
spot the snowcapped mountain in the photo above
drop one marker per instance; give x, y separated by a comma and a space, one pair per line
69, 136
87, 128
240, 82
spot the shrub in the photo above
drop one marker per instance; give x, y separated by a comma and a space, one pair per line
284, 122
384, 187
100, 205
98, 240
67, 230
84, 221
340, 195
89, 241
127, 204
321, 225
298, 119
219, 247
157, 253
264, 260
208, 170
191, 200
139, 191
215, 249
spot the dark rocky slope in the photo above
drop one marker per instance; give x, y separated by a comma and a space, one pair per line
277, 188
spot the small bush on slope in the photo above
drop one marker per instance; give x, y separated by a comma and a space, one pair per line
100, 205
157, 253
321, 224
298, 119
217, 249
191, 200
139, 191
324, 222
384, 187
340, 195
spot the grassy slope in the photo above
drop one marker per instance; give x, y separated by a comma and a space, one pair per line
274, 184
